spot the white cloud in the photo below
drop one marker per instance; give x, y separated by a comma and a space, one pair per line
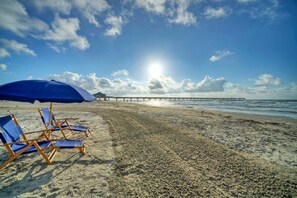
168, 85
183, 16
267, 80
293, 87
116, 25
104, 82
162, 84
208, 87
94, 84
174, 11
155, 86
121, 73
65, 30
61, 6
157, 7
188, 86
4, 53
269, 10
3, 67
57, 48
89, 9
221, 12
209, 84
15, 18
17, 47
219, 55
261, 92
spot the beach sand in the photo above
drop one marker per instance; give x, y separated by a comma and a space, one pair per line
144, 151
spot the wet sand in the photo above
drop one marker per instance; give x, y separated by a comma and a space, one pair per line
144, 151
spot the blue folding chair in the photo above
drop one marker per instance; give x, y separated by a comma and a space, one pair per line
11, 133
62, 125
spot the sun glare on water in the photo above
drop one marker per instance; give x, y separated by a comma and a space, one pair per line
155, 70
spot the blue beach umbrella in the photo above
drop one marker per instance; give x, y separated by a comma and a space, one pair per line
44, 91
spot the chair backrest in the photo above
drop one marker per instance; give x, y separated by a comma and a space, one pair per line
10, 129
45, 116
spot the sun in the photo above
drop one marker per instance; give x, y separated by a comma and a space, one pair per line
155, 70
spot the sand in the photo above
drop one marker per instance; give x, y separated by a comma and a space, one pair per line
143, 151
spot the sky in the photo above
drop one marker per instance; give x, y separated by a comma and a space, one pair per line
199, 48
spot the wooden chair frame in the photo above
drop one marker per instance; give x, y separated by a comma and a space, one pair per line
60, 123
44, 136
29, 142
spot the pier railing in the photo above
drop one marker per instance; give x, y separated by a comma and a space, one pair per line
135, 98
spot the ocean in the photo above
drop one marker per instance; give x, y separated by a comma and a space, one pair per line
285, 108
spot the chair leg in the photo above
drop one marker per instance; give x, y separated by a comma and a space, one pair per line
47, 159
82, 150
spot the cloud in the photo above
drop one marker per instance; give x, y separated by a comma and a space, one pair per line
94, 84
155, 86
188, 86
219, 55
4, 53
293, 87
165, 84
19, 48
120, 73
57, 48
65, 30
174, 11
89, 9
281, 91
61, 6
157, 7
267, 80
3, 67
162, 84
182, 15
208, 87
221, 12
268, 10
116, 25
209, 84
15, 18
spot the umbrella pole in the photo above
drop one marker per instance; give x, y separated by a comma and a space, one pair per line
51, 113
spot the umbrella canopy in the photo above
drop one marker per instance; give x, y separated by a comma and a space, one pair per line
44, 91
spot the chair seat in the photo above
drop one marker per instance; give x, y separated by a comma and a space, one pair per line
18, 147
68, 143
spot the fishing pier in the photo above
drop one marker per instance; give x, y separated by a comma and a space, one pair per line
136, 98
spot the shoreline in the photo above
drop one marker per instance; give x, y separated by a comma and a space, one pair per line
140, 150
11, 105
160, 103
247, 114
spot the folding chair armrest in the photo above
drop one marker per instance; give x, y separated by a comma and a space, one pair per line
45, 130
26, 141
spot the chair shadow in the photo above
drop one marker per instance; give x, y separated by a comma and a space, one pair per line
34, 180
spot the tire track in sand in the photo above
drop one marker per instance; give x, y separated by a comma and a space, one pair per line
157, 159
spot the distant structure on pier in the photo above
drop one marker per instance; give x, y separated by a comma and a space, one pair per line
101, 96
